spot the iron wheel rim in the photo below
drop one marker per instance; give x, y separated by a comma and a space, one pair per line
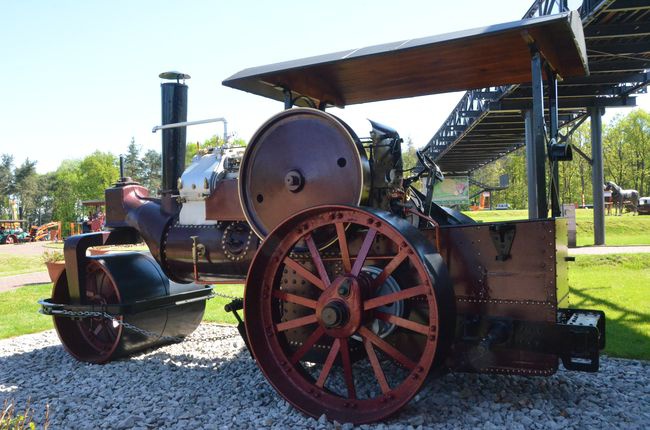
282, 365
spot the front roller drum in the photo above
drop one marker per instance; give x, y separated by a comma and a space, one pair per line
351, 331
118, 279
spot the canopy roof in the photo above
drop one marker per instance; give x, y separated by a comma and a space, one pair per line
477, 58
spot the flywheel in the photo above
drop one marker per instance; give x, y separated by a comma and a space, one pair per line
298, 159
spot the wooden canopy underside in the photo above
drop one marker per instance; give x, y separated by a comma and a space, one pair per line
477, 58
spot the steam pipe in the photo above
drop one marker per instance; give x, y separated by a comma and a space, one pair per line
189, 123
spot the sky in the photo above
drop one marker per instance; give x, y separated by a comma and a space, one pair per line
83, 75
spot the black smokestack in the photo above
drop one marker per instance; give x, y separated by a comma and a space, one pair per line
174, 110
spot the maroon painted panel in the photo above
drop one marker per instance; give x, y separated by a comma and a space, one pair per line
523, 287
223, 203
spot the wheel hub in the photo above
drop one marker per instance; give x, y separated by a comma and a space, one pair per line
294, 181
340, 308
335, 314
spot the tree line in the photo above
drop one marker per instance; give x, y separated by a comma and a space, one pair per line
58, 195
626, 161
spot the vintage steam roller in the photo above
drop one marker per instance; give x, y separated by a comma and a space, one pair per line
359, 287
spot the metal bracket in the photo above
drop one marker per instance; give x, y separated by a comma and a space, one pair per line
74, 250
502, 237
48, 307
576, 338
234, 306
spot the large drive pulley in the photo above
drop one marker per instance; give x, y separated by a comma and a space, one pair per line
298, 159
353, 330
122, 279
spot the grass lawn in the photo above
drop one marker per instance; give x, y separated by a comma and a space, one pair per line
19, 310
616, 284
620, 286
214, 310
619, 230
17, 264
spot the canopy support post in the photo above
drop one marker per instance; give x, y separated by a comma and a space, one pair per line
531, 165
538, 132
553, 117
597, 174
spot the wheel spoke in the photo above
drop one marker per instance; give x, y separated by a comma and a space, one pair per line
347, 368
390, 268
306, 346
329, 362
306, 274
295, 323
292, 298
394, 297
402, 322
343, 245
363, 252
376, 367
318, 262
387, 348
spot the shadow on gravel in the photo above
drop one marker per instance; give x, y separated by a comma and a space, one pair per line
192, 387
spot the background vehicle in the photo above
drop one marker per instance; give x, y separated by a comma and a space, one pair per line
13, 231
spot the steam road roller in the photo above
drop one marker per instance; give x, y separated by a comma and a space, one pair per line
359, 287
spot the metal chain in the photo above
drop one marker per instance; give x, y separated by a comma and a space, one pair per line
129, 326
226, 296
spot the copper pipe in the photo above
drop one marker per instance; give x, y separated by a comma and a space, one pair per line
432, 221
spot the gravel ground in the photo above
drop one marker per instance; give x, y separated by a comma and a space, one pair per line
203, 384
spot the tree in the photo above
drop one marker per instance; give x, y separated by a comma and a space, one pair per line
626, 150
152, 171
409, 159
97, 172
43, 198
635, 127
25, 187
214, 142
6, 184
65, 193
575, 176
132, 164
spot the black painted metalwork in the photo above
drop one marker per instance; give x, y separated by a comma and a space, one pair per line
487, 123
128, 306
597, 175
539, 133
551, 82
174, 110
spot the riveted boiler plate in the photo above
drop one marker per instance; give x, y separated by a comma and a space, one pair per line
298, 159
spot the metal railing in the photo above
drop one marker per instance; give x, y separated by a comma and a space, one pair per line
476, 103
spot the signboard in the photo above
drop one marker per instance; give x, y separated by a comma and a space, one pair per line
454, 190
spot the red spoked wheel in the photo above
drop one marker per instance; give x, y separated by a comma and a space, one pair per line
351, 331
92, 339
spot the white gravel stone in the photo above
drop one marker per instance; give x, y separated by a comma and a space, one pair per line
215, 385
